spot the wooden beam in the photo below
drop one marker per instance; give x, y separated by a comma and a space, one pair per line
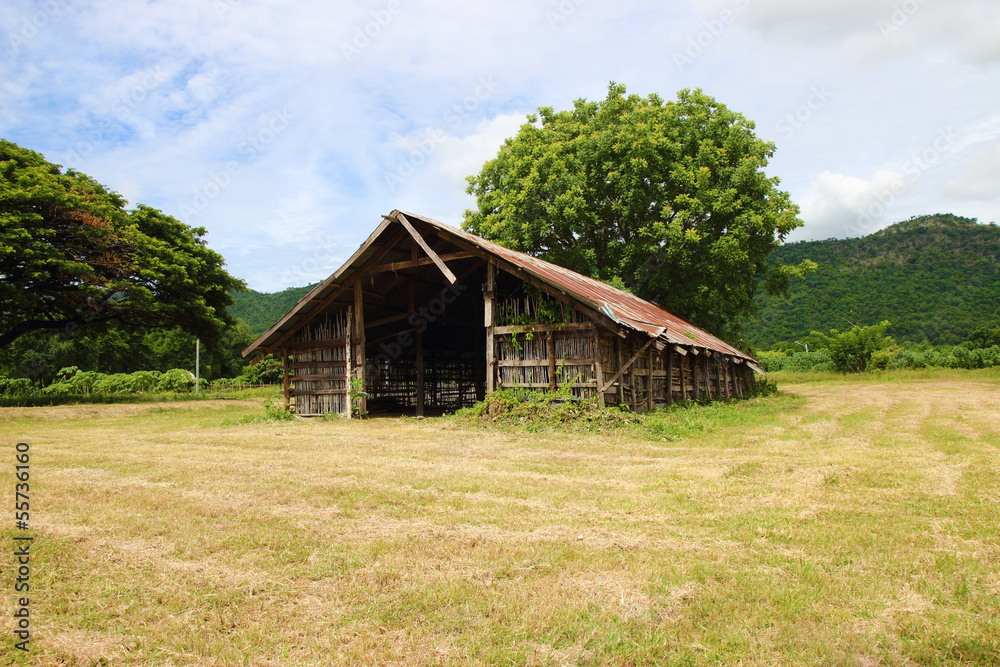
359, 342
284, 355
625, 367
427, 249
551, 345
528, 363
618, 362
649, 382
421, 261
598, 368
540, 328
420, 375
349, 356
669, 363
317, 344
680, 350
488, 287
696, 378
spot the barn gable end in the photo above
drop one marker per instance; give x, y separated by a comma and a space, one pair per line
426, 318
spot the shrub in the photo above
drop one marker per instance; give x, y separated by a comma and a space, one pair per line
15, 386
176, 379
851, 351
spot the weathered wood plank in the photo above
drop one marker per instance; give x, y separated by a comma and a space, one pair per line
488, 289
302, 345
421, 261
542, 328
527, 363
427, 249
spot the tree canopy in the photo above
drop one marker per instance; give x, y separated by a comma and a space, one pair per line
72, 255
665, 199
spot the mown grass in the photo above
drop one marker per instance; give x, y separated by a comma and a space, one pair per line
838, 523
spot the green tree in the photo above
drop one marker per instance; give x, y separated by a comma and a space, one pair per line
666, 199
855, 350
72, 255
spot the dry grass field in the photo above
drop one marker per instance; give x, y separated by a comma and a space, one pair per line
839, 523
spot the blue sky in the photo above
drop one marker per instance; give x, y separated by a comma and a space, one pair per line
288, 129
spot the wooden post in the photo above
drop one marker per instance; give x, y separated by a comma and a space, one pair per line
479, 370
718, 377
669, 364
359, 343
284, 359
649, 379
349, 358
688, 392
619, 362
598, 368
696, 377
491, 370
551, 347
631, 384
420, 374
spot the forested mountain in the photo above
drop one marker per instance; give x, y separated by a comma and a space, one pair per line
261, 310
934, 278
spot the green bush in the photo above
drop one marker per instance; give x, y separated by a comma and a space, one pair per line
266, 371
852, 351
797, 362
15, 386
176, 379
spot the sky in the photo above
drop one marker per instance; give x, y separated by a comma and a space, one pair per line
288, 129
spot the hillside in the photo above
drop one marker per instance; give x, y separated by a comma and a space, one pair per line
935, 278
261, 310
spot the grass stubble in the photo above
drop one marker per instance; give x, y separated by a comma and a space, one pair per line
837, 523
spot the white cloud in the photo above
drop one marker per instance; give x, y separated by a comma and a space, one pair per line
228, 64
839, 205
465, 156
982, 178
875, 28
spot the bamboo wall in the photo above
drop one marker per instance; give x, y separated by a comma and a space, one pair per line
585, 356
317, 366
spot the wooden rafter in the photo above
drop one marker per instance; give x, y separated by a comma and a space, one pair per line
427, 249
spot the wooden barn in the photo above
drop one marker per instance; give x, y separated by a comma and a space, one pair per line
426, 317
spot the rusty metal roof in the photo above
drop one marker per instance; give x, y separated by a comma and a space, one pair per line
626, 310
621, 307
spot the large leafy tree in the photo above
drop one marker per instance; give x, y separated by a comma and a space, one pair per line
665, 199
72, 255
